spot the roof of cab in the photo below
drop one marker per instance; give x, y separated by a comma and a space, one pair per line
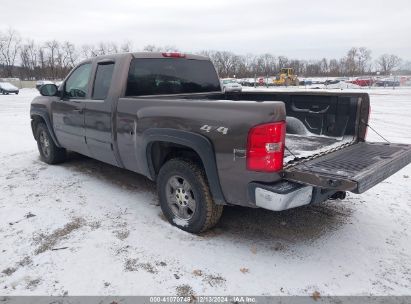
147, 55
164, 55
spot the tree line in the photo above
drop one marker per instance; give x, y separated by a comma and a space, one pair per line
30, 60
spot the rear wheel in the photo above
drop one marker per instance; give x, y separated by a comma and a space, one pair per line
185, 197
49, 152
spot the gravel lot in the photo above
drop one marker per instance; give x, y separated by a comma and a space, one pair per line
87, 228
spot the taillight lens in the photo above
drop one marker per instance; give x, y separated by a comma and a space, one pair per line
265, 147
174, 55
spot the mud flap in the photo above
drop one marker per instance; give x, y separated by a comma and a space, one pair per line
356, 168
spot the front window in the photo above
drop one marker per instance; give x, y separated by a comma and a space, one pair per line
77, 84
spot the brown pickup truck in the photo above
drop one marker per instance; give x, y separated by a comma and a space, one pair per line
163, 115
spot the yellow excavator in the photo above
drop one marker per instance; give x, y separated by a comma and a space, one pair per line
286, 77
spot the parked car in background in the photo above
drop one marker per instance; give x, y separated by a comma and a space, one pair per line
231, 85
333, 81
40, 83
387, 82
363, 82
305, 82
7, 88
247, 82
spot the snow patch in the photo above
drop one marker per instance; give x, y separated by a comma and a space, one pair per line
356, 246
180, 222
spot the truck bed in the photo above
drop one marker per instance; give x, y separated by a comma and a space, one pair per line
316, 122
309, 145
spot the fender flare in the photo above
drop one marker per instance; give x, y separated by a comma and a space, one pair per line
200, 144
45, 116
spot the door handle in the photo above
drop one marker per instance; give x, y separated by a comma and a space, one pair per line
80, 111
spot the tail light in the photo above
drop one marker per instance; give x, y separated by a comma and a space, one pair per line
265, 147
174, 55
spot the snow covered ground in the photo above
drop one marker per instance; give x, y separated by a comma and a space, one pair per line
87, 228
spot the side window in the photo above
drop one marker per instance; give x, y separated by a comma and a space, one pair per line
103, 80
77, 84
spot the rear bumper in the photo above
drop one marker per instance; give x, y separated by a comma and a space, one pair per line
285, 195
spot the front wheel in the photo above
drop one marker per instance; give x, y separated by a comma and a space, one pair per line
49, 152
185, 197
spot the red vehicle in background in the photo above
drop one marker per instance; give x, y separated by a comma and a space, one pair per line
363, 82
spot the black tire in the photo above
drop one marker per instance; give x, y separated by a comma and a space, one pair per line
49, 152
206, 213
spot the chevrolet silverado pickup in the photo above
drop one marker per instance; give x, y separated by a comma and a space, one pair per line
164, 115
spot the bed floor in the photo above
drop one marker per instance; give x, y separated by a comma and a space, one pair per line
307, 145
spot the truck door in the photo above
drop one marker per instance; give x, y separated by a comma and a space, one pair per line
98, 115
68, 113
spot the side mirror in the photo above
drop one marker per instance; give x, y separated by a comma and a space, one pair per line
49, 89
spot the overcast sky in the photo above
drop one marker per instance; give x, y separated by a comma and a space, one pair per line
300, 29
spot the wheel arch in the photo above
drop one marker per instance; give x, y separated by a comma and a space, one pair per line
38, 116
162, 144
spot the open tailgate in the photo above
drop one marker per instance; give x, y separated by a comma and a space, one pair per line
355, 168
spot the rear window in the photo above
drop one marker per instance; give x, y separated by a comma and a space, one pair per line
155, 76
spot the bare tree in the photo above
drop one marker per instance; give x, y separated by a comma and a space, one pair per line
323, 66
334, 68
266, 64
388, 62
71, 55
282, 62
28, 58
350, 61
126, 46
357, 61
53, 58
154, 48
9, 48
363, 60
89, 51
225, 63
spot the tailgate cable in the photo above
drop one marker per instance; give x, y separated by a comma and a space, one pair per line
366, 123
296, 157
